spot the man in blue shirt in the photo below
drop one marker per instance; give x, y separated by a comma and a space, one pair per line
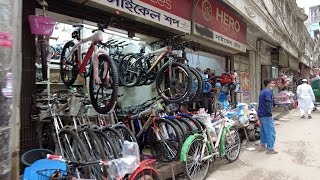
267, 129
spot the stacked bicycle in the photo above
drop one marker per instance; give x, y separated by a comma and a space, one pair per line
80, 139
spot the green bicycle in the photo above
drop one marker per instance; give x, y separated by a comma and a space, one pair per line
202, 147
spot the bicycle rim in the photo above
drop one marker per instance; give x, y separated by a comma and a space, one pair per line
197, 87
104, 94
116, 139
73, 148
108, 147
232, 145
164, 140
176, 89
68, 67
129, 68
195, 168
146, 174
126, 133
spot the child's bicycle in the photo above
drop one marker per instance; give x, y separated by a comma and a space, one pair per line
202, 147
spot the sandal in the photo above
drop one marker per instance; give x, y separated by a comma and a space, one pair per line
272, 152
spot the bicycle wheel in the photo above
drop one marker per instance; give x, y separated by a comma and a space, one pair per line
116, 139
125, 132
69, 67
129, 69
74, 149
52, 52
164, 140
197, 87
179, 87
195, 168
95, 149
145, 174
104, 94
43, 56
232, 145
107, 145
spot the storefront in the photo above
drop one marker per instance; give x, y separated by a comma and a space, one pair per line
215, 31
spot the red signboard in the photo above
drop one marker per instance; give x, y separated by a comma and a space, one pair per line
180, 8
213, 15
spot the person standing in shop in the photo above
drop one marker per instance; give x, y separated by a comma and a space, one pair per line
267, 128
206, 99
306, 98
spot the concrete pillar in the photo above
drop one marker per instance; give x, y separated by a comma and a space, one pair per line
252, 71
8, 75
257, 77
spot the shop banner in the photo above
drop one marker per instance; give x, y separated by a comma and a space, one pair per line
216, 22
175, 14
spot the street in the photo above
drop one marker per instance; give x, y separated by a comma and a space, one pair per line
298, 145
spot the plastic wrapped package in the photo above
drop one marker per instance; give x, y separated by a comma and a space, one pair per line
75, 106
118, 168
284, 97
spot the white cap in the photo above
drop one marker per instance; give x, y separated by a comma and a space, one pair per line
304, 80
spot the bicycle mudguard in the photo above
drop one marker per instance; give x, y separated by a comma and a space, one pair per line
222, 141
44, 168
186, 145
140, 169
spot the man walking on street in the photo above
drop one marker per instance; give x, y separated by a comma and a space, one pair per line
267, 129
306, 98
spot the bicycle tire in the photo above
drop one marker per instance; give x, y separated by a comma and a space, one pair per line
84, 154
196, 143
180, 127
73, 63
195, 122
97, 152
165, 156
52, 52
125, 132
43, 56
101, 105
162, 73
229, 158
153, 175
115, 137
188, 126
193, 97
131, 58
109, 149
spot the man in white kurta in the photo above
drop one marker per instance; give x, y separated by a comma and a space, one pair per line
306, 98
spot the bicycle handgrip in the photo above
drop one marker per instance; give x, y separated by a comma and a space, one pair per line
52, 157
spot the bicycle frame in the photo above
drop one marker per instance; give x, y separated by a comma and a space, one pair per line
208, 141
96, 37
164, 51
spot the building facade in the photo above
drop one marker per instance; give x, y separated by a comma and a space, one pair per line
277, 39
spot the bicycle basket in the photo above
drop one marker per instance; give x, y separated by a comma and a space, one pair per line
33, 155
45, 169
41, 25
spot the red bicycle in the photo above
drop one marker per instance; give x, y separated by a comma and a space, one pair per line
102, 71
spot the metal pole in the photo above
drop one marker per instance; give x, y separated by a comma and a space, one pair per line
8, 47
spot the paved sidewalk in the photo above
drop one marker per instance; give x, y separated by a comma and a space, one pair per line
298, 159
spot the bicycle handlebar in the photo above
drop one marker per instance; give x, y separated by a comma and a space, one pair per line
101, 27
168, 40
76, 163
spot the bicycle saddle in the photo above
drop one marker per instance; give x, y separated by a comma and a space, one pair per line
79, 26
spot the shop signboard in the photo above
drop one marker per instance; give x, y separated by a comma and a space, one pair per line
175, 14
217, 23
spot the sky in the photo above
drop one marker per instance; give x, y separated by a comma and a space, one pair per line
307, 3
